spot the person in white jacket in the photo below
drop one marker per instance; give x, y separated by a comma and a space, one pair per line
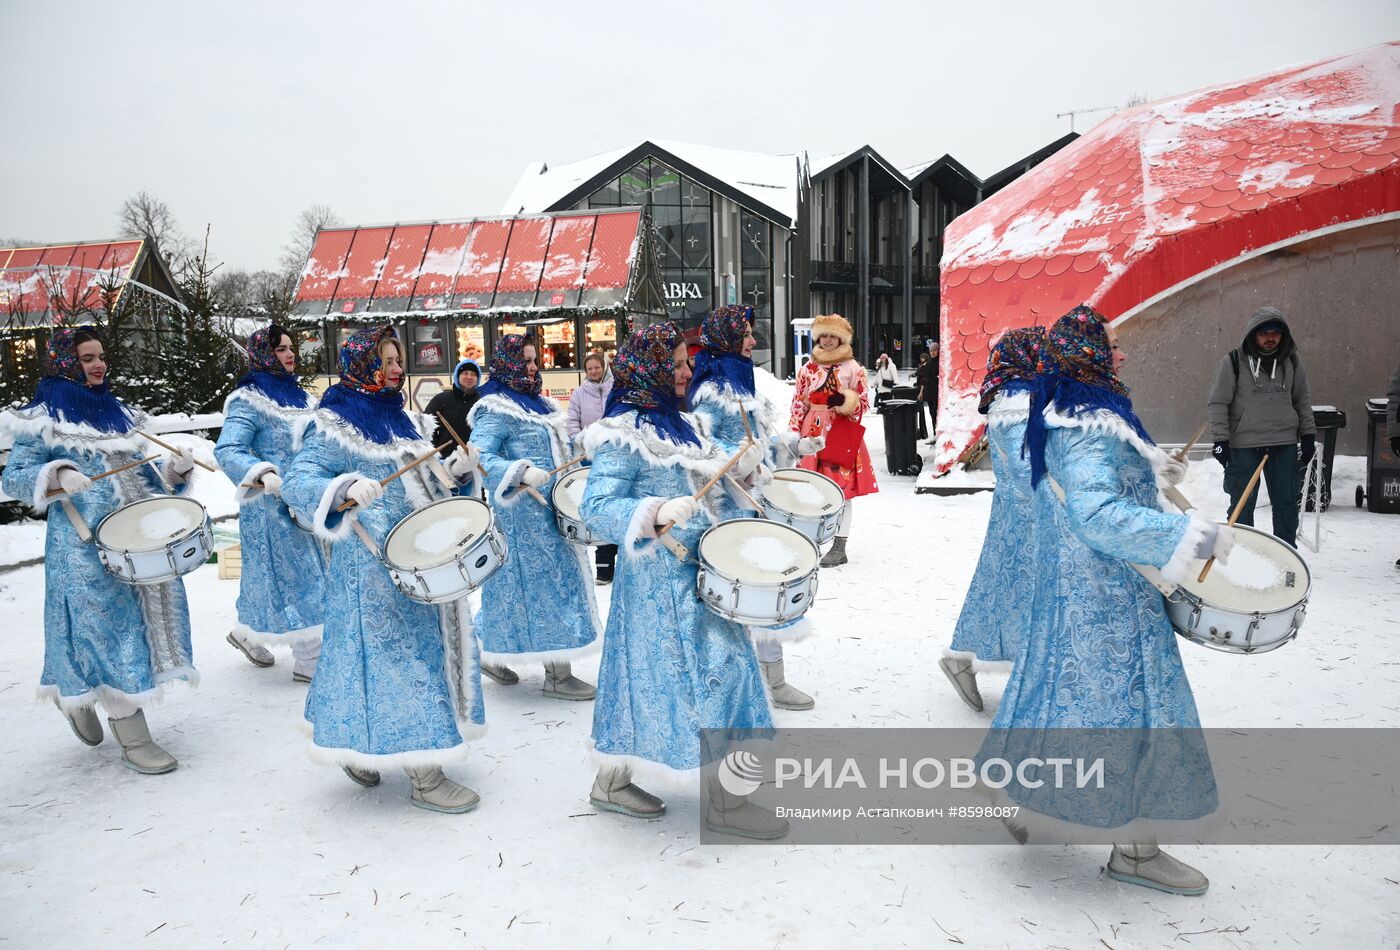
886, 378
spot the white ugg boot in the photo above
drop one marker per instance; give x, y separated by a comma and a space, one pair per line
561, 683
362, 776
735, 815
500, 673
258, 656
959, 671
84, 723
785, 695
613, 791
436, 792
139, 751
1149, 866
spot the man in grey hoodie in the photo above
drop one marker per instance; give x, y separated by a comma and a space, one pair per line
1261, 405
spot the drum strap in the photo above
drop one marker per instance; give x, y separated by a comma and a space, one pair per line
79, 525
681, 552
359, 529
1149, 573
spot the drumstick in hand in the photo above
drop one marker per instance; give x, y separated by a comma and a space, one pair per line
1181, 455
700, 495
167, 446
559, 468
410, 466
107, 474
1235, 515
458, 439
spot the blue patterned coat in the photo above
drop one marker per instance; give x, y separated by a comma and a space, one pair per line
670, 667
997, 609
1099, 653
721, 408
282, 590
398, 683
540, 604
102, 637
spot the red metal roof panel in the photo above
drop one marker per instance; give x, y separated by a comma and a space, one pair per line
481, 264
441, 262
524, 263
400, 271
324, 266
363, 265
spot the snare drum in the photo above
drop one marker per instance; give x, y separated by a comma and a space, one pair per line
807, 501
757, 572
1253, 604
567, 497
445, 550
155, 540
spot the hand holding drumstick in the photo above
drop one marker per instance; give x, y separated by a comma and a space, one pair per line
385, 481
1235, 515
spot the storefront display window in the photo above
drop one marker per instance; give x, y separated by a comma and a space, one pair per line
427, 351
601, 336
471, 342
557, 345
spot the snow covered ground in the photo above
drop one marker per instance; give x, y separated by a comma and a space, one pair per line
251, 844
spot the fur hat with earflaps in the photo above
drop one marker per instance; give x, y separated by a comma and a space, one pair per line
832, 323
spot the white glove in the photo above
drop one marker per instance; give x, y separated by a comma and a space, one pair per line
272, 483
749, 461
534, 477
1218, 542
811, 445
182, 462
364, 491
680, 510
72, 481
461, 463
1174, 471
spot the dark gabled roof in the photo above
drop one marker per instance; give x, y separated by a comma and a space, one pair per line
947, 170
829, 167
1016, 169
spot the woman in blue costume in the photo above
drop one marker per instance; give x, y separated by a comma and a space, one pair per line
1099, 675
282, 590
539, 605
997, 608
398, 684
670, 667
105, 641
722, 392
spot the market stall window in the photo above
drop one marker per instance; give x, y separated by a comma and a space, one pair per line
428, 346
557, 344
601, 336
471, 342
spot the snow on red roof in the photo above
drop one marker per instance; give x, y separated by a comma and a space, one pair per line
1161, 195
37, 281
567, 259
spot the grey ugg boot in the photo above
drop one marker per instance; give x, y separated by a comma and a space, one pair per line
139, 751
735, 815
959, 671
785, 695
500, 673
613, 791
258, 656
1149, 866
561, 683
436, 792
84, 723
837, 555
361, 776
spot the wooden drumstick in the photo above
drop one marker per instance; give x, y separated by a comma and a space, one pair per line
747, 497
1181, 455
559, 468
780, 477
708, 485
458, 439
107, 474
168, 447
409, 467
1235, 515
744, 415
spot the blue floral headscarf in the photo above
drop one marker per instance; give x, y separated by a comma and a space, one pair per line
1079, 377
265, 373
64, 393
1014, 363
511, 379
644, 382
362, 397
721, 360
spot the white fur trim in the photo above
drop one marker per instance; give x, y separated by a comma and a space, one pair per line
150, 697
1184, 557
249, 488
645, 772
1007, 410
704, 460
257, 401
510, 482
800, 630
640, 539
40, 500
323, 510
978, 665
464, 679
290, 638
75, 437
544, 656
415, 759
348, 437
731, 403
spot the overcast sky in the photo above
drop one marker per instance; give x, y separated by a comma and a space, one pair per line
241, 114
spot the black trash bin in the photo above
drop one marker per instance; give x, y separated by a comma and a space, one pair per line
901, 446
1327, 419
1382, 492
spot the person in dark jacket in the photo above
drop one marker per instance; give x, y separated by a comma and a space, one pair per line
455, 403
1261, 405
1392, 413
926, 379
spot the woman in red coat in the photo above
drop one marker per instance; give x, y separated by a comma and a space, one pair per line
831, 390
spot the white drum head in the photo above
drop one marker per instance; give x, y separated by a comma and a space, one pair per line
803, 493
568, 493
151, 524
436, 534
759, 552
1263, 575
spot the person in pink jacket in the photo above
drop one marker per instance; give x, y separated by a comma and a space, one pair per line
586, 405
